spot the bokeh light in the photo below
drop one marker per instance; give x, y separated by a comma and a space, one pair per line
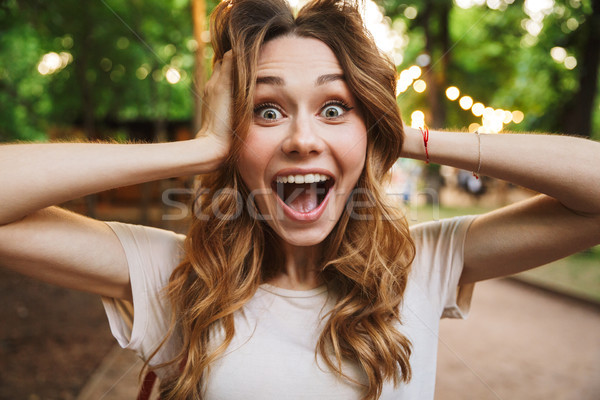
410, 12
517, 116
173, 76
558, 54
417, 119
53, 62
474, 126
465, 102
414, 71
406, 79
570, 62
452, 93
477, 109
420, 86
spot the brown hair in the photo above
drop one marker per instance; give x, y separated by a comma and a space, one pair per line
368, 253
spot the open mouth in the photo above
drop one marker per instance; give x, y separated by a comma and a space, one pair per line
303, 193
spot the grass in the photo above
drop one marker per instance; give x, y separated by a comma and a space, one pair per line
577, 275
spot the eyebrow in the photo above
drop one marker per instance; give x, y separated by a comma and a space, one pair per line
278, 81
323, 79
270, 80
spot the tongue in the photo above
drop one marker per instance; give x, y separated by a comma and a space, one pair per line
302, 198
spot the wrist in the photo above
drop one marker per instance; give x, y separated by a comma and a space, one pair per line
206, 153
413, 144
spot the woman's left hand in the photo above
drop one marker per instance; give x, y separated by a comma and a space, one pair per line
216, 112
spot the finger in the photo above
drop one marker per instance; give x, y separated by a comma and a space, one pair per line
226, 65
228, 56
216, 70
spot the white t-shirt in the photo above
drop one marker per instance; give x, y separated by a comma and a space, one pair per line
272, 355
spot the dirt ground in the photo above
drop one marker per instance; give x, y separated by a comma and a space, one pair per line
520, 343
51, 339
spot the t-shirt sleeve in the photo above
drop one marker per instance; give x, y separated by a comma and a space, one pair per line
152, 255
439, 262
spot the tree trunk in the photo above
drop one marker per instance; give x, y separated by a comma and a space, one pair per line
437, 45
578, 111
444, 41
199, 22
87, 101
435, 21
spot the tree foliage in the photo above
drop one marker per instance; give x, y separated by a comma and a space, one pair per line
492, 58
122, 50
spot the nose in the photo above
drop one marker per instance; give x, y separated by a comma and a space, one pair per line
303, 138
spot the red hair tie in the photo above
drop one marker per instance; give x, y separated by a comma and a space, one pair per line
425, 133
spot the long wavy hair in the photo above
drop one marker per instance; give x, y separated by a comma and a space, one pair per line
228, 250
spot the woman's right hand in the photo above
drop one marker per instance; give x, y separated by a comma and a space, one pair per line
216, 110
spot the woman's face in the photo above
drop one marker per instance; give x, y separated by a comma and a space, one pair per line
306, 146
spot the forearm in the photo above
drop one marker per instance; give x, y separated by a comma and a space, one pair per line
36, 176
563, 167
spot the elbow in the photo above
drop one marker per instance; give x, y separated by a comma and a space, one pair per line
590, 223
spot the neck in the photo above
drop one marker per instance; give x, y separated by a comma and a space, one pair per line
300, 271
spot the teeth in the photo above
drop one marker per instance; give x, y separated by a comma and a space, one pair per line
308, 178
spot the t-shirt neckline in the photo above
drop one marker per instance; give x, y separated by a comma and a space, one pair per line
276, 290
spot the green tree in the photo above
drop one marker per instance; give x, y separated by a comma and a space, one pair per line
121, 52
490, 55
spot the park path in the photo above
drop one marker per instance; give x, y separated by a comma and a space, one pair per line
519, 342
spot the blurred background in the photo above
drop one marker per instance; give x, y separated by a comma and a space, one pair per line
132, 70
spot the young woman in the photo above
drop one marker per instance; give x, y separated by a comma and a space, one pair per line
297, 278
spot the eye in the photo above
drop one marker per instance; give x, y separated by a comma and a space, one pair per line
268, 112
332, 112
335, 109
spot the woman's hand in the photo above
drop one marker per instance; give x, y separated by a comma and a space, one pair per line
216, 111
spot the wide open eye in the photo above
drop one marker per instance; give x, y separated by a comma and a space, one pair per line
268, 112
334, 110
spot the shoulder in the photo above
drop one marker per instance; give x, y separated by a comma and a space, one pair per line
146, 234
432, 232
152, 255
150, 239
439, 261
150, 250
440, 242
